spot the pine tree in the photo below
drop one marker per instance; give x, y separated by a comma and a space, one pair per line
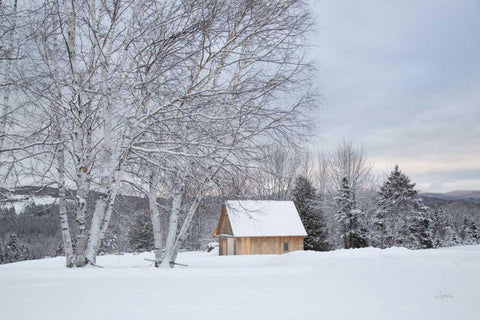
401, 219
140, 234
443, 233
470, 232
349, 218
421, 229
304, 197
15, 251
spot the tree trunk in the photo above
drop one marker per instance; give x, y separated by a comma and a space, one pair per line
110, 177
82, 182
62, 205
155, 216
80, 139
105, 191
8, 67
113, 195
102, 216
95, 227
186, 225
81, 214
60, 159
172, 229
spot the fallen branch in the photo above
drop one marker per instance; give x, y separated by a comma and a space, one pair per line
171, 262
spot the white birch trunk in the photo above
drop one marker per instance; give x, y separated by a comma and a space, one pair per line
172, 229
115, 184
79, 141
109, 182
95, 227
155, 216
102, 215
105, 190
182, 235
60, 158
62, 205
81, 210
8, 67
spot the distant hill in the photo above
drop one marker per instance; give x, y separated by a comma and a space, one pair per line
457, 195
465, 194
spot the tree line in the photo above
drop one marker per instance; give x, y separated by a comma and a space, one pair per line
362, 212
379, 214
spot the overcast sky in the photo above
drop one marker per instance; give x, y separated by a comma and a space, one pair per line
402, 78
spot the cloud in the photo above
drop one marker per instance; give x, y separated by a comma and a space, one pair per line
428, 166
402, 79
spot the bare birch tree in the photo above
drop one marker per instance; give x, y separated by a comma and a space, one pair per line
184, 92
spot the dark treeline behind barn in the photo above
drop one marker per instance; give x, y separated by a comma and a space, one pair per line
347, 205
37, 225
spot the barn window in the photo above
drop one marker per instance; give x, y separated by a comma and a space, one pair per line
285, 246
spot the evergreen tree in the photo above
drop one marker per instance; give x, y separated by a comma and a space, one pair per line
401, 219
14, 250
349, 218
470, 232
140, 235
304, 197
421, 229
443, 233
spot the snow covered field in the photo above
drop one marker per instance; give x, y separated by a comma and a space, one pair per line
346, 284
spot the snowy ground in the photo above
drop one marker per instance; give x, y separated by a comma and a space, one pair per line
347, 284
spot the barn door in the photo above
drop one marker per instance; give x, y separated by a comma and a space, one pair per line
230, 247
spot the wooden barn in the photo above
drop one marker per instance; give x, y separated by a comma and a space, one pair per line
259, 227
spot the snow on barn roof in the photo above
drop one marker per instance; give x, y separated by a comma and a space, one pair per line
252, 218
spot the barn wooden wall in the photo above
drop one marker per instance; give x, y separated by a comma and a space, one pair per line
222, 247
267, 245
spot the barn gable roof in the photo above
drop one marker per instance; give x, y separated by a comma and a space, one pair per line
252, 218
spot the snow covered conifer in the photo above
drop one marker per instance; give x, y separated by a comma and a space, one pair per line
14, 250
11, 248
401, 218
443, 233
140, 235
304, 197
470, 233
421, 229
349, 218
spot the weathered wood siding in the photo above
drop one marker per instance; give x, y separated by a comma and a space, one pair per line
224, 228
222, 247
224, 224
267, 245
